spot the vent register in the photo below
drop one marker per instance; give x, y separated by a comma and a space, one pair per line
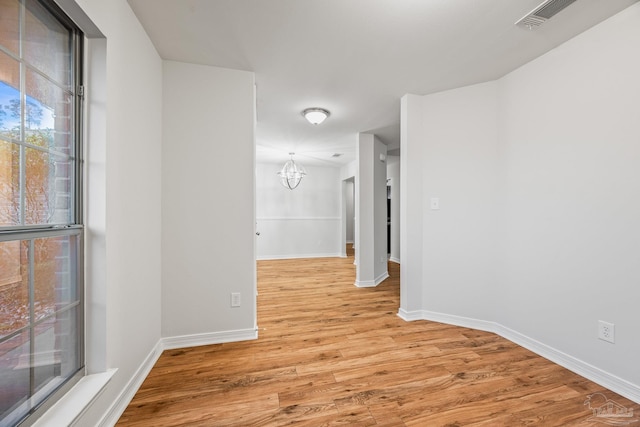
542, 13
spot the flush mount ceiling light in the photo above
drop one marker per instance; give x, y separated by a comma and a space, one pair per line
291, 174
315, 116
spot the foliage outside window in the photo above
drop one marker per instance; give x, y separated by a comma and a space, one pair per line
41, 291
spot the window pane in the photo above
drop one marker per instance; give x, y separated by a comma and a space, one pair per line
37, 354
47, 43
48, 198
14, 378
14, 287
48, 111
9, 183
56, 351
10, 25
9, 97
54, 275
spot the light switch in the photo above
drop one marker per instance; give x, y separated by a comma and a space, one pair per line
435, 203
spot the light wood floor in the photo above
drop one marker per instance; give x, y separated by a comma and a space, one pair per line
331, 354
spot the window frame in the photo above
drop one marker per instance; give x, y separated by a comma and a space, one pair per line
74, 227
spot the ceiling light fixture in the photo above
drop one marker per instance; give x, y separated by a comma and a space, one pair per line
291, 174
315, 116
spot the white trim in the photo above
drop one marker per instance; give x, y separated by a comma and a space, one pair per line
372, 283
349, 242
612, 382
384, 276
110, 418
410, 316
299, 218
195, 340
605, 379
73, 404
394, 259
298, 256
465, 322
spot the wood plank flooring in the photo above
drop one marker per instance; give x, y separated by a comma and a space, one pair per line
331, 354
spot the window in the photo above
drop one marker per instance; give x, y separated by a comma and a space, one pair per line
41, 233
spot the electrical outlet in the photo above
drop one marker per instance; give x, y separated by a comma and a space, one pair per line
235, 299
606, 331
434, 203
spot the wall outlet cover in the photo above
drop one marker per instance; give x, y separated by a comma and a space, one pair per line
235, 299
606, 331
434, 202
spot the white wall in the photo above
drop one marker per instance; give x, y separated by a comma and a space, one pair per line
208, 218
350, 170
371, 212
393, 174
126, 143
460, 168
124, 171
537, 233
300, 223
570, 134
411, 139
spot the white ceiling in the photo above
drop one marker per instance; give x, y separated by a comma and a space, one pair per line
356, 58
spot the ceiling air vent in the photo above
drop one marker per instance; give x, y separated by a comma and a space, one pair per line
542, 13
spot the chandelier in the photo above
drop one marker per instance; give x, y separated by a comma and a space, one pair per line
291, 173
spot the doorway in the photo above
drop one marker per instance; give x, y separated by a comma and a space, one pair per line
349, 214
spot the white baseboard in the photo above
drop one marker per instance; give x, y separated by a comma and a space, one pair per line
394, 259
124, 398
605, 379
465, 322
195, 340
116, 409
410, 316
349, 242
372, 283
297, 256
384, 276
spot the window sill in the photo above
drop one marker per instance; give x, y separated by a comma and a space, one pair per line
74, 403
